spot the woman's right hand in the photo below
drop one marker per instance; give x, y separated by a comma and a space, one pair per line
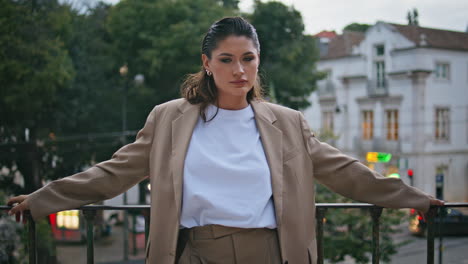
19, 204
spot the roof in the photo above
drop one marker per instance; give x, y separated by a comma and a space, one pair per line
326, 34
342, 45
434, 38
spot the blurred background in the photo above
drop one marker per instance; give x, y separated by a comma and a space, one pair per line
384, 81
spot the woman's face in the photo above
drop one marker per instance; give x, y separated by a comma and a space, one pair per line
234, 65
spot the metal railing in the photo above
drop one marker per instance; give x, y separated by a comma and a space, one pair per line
377, 88
89, 212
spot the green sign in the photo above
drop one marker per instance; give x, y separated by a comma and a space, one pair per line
378, 157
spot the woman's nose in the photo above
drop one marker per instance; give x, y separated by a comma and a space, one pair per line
238, 69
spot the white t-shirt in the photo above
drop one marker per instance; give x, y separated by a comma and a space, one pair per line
226, 175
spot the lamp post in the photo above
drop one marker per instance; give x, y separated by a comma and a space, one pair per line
138, 79
124, 72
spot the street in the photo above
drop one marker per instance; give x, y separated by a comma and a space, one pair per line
455, 250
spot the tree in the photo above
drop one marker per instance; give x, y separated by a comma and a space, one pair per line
413, 17
162, 40
34, 67
34, 64
356, 27
287, 56
90, 105
231, 3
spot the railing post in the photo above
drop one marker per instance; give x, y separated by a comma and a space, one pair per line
89, 219
134, 234
146, 213
430, 216
125, 236
319, 215
376, 212
32, 243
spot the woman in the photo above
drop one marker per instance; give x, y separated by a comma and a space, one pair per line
232, 176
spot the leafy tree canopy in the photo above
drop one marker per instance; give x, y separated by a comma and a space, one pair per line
356, 27
162, 39
34, 63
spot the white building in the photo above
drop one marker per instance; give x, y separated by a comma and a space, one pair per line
399, 89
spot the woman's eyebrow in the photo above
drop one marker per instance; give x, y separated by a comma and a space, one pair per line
229, 54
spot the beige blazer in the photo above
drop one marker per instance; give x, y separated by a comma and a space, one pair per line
295, 157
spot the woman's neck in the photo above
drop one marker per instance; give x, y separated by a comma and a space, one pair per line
232, 103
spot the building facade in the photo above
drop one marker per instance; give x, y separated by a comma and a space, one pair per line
403, 90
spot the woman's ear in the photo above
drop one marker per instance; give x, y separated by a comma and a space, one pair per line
205, 61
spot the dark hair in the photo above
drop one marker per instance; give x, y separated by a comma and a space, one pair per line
200, 87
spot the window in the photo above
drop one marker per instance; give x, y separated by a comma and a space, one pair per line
392, 124
379, 50
442, 123
380, 74
367, 124
327, 121
379, 66
442, 71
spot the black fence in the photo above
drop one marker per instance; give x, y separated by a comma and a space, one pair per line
90, 212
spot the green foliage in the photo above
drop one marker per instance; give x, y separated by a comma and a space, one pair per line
349, 231
356, 27
412, 17
34, 64
287, 55
162, 39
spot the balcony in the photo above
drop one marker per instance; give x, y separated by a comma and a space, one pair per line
326, 89
377, 88
378, 144
375, 212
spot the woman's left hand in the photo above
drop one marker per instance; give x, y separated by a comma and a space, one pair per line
432, 201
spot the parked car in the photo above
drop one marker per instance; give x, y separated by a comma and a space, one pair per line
455, 222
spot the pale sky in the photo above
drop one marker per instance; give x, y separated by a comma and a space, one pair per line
321, 15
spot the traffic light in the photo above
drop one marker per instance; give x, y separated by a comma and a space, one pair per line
378, 157
410, 176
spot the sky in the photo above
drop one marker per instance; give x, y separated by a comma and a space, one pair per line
321, 15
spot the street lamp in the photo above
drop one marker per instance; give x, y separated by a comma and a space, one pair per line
138, 80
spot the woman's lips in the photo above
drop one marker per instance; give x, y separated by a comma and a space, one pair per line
239, 82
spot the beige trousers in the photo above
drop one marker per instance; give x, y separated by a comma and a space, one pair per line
215, 244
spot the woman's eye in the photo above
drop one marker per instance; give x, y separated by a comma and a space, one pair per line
226, 60
249, 58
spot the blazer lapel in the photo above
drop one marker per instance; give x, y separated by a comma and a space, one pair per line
182, 129
272, 140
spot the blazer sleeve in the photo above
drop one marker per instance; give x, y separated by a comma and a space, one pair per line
349, 177
128, 166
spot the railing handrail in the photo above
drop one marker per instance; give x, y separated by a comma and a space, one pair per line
318, 205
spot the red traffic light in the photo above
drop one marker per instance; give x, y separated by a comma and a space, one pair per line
410, 173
